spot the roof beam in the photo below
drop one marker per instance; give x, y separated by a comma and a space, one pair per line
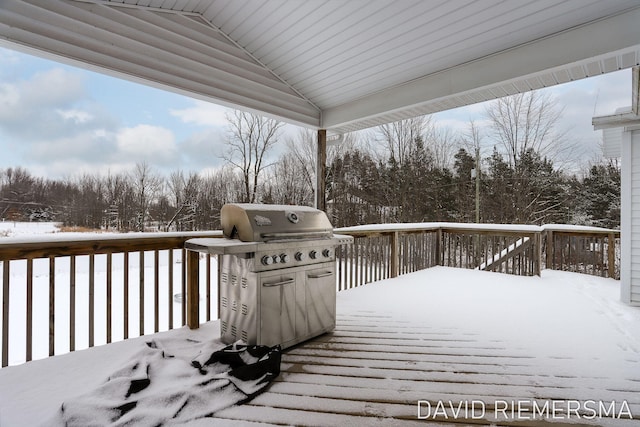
602, 38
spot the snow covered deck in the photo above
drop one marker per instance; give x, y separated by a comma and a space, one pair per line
477, 345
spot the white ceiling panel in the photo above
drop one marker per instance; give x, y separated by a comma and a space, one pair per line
341, 65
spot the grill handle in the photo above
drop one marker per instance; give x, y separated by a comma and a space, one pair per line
294, 236
280, 283
319, 275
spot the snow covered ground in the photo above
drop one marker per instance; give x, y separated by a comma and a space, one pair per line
22, 229
577, 340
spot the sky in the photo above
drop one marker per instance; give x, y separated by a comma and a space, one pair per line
59, 121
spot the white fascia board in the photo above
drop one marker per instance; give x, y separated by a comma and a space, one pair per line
573, 47
615, 121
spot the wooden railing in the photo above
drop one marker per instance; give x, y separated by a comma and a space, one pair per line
71, 291
590, 250
83, 292
382, 251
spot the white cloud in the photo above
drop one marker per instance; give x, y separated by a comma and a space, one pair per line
9, 57
146, 142
53, 87
203, 113
9, 98
30, 108
76, 116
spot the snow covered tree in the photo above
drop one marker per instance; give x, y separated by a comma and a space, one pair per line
464, 186
599, 201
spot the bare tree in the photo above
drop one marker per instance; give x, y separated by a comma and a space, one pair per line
185, 192
442, 142
146, 185
250, 139
301, 157
528, 121
399, 138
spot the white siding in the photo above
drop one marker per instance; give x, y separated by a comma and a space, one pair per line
630, 278
612, 140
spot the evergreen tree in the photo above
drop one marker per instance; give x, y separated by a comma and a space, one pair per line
600, 196
464, 187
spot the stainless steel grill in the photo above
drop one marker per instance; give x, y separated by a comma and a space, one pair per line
277, 273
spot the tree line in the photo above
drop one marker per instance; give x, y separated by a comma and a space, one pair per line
506, 170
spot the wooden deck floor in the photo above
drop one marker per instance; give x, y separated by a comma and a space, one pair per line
471, 346
377, 365
373, 370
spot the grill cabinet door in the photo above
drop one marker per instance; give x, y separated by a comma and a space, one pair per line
277, 314
321, 298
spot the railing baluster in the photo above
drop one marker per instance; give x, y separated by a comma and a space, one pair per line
125, 296
170, 288
92, 299
352, 253
184, 287
141, 293
208, 291
356, 243
109, 295
52, 306
5, 313
601, 260
72, 303
370, 261
29, 311
156, 291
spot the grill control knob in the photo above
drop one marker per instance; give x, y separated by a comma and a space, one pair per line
313, 254
300, 256
266, 260
284, 258
326, 253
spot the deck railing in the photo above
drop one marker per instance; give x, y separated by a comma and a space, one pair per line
61, 294
382, 251
70, 290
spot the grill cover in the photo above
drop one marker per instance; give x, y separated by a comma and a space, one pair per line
263, 223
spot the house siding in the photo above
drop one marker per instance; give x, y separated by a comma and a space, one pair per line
630, 289
612, 142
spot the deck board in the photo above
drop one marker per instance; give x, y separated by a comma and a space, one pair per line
373, 369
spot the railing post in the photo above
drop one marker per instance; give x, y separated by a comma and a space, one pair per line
611, 252
395, 254
537, 257
193, 303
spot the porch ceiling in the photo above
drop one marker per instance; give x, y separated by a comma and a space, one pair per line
339, 65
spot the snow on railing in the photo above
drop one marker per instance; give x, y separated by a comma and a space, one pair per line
508, 248
67, 292
70, 291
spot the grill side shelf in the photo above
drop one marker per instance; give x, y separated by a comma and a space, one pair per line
220, 246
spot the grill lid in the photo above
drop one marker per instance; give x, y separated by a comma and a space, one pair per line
264, 223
